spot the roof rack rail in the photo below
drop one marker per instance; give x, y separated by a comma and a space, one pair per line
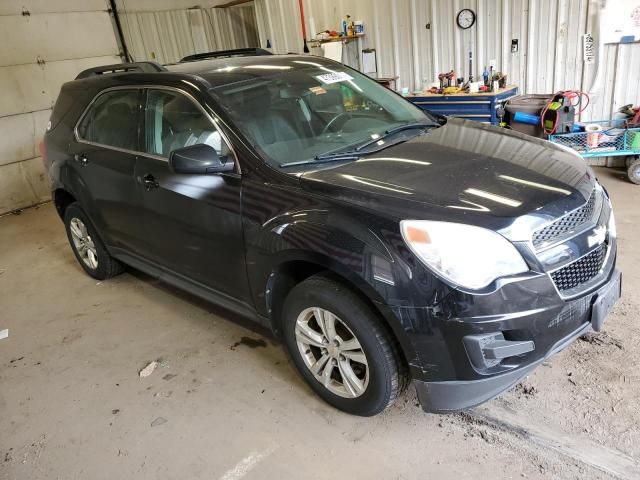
238, 52
143, 67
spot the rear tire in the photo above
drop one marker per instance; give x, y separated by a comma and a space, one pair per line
87, 245
351, 361
633, 171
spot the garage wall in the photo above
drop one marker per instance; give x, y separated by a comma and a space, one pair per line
549, 33
166, 36
279, 23
42, 45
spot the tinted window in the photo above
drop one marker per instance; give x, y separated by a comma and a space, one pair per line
295, 110
173, 121
112, 120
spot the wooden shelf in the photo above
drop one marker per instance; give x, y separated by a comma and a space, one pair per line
337, 39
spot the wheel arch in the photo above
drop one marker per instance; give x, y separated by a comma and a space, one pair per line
295, 269
62, 199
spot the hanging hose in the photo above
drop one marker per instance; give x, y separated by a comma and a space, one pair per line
575, 98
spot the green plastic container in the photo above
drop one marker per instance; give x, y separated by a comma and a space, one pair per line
635, 140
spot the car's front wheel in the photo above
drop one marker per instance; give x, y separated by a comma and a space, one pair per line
341, 348
87, 245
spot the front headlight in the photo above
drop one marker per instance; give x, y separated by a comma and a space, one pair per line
467, 256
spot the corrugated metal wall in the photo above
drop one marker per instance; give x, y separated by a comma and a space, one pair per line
279, 25
417, 39
167, 36
43, 44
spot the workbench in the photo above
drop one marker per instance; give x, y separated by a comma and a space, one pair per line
472, 106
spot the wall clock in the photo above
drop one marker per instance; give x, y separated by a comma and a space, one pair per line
466, 18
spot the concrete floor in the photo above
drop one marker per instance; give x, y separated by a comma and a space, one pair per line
223, 406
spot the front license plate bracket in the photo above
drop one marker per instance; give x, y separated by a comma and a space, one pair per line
605, 300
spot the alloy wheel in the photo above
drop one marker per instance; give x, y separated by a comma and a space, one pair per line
83, 243
332, 352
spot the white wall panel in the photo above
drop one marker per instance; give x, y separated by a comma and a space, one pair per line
30, 87
22, 184
30, 7
21, 135
18, 138
55, 36
166, 36
65, 36
279, 23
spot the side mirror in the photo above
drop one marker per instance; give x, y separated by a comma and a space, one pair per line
198, 159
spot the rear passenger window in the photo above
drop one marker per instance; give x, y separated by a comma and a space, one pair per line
173, 121
112, 120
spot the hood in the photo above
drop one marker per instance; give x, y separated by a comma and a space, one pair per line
466, 168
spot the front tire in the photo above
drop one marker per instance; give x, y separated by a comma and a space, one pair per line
87, 245
340, 347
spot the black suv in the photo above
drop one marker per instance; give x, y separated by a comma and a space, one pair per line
382, 243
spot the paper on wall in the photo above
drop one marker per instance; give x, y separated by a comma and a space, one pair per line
333, 51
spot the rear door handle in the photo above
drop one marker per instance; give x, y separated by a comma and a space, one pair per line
81, 158
150, 182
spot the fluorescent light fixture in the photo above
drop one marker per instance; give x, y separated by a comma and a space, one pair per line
493, 197
534, 184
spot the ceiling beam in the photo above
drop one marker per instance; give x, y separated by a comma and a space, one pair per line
233, 3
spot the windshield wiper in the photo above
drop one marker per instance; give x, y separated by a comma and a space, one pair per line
324, 158
356, 153
393, 131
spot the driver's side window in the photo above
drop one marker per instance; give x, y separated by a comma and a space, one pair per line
173, 121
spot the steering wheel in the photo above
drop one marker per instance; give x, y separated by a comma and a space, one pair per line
333, 120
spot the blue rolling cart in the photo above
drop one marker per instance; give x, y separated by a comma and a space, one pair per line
615, 139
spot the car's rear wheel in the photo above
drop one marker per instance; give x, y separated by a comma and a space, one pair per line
87, 245
340, 347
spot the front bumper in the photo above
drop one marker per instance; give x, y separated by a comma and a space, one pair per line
449, 396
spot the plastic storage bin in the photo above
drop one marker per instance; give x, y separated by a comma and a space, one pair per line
529, 104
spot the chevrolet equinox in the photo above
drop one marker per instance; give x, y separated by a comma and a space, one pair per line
383, 244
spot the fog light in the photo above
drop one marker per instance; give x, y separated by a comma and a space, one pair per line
488, 350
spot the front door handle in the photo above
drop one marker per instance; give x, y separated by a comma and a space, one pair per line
81, 158
150, 182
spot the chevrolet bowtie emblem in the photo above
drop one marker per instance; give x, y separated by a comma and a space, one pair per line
598, 236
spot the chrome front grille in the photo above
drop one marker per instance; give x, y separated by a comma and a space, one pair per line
567, 225
580, 271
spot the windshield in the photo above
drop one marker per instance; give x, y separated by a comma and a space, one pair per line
304, 109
